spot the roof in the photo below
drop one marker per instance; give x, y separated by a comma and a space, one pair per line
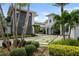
10, 10
51, 14
39, 23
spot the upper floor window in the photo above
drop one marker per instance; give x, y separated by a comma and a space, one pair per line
50, 20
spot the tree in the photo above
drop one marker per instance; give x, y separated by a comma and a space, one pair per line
1, 20
26, 21
36, 28
20, 6
61, 20
6, 43
61, 5
72, 20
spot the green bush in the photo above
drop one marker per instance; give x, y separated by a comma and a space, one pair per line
18, 52
35, 43
22, 43
71, 42
30, 49
28, 42
63, 50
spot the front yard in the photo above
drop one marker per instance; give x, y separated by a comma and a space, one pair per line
44, 45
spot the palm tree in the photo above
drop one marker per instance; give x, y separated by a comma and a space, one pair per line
14, 18
73, 20
61, 20
1, 17
26, 21
61, 5
6, 43
20, 5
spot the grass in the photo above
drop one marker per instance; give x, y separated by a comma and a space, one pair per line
19, 36
71, 42
63, 50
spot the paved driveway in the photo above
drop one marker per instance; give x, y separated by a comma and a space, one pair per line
41, 38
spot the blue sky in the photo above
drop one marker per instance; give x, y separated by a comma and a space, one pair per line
42, 9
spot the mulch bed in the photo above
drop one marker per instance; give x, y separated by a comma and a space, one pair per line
42, 51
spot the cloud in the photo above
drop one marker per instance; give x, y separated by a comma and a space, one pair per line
41, 17
70, 9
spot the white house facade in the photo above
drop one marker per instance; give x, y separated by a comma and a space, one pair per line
48, 24
75, 33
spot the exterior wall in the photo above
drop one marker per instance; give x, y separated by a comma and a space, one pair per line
33, 23
8, 30
74, 33
21, 24
49, 25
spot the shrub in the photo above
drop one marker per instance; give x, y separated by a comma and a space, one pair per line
18, 52
22, 43
63, 50
16, 42
70, 42
6, 43
35, 43
30, 49
28, 42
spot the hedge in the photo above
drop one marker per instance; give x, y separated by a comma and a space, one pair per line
71, 42
33, 42
18, 52
30, 49
63, 50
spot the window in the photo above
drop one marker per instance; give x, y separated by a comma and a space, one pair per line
50, 20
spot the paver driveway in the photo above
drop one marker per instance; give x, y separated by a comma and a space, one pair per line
41, 38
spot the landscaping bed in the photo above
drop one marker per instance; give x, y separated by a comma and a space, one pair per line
27, 48
68, 47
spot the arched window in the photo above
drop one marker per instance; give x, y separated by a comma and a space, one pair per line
50, 20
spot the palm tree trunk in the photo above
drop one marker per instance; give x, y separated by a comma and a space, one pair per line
13, 21
26, 21
1, 23
69, 32
61, 29
17, 22
63, 33
14, 26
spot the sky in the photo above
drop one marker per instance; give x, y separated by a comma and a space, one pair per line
43, 9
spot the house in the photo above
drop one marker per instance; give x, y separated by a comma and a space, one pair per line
75, 33
49, 23
21, 22
42, 25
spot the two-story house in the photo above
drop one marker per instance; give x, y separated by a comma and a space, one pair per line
21, 22
48, 24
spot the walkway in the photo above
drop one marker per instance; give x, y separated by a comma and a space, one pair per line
41, 38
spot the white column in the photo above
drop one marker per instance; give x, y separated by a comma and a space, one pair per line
46, 30
49, 30
33, 24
